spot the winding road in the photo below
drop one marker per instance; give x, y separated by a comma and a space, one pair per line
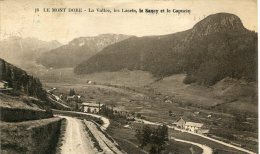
105, 120
75, 140
206, 149
206, 137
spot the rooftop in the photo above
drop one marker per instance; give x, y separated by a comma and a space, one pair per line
194, 124
91, 104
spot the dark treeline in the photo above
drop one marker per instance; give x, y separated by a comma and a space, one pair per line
20, 81
155, 138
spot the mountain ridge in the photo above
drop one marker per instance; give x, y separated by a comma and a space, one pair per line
215, 45
77, 50
16, 49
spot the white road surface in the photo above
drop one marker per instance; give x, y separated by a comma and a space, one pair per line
206, 149
105, 120
218, 141
206, 137
76, 140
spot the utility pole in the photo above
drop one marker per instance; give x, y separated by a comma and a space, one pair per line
98, 107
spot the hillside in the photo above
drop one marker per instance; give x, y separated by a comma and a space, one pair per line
19, 82
216, 47
77, 50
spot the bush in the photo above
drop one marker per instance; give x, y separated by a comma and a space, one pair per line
189, 79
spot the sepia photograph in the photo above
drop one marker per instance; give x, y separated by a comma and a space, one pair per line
129, 77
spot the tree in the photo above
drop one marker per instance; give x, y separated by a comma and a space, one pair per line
72, 92
170, 112
157, 138
138, 115
76, 107
153, 150
2, 70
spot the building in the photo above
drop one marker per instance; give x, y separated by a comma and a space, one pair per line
190, 126
180, 123
3, 84
193, 126
76, 98
91, 106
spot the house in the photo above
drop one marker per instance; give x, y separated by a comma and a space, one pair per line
193, 126
76, 98
3, 84
51, 90
91, 106
190, 126
130, 118
168, 101
180, 123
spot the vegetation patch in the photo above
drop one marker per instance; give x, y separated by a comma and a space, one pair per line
17, 114
61, 136
93, 139
39, 136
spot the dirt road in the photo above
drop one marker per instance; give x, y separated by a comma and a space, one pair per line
105, 120
206, 137
106, 144
206, 149
76, 140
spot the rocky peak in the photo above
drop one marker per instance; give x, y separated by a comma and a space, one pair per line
220, 22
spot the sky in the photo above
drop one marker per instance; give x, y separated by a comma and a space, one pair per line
18, 17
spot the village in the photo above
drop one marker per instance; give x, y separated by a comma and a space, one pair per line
73, 100
128, 77
93, 106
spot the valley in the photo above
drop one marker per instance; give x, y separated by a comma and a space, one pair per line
190, 92
149, 98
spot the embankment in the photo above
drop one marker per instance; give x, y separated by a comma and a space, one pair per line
19, 114
37, 136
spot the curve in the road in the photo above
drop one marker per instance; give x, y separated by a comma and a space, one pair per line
218, 141
105, 120
206, 149
206, 137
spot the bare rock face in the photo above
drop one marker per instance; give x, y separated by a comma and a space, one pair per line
98, 42
77, 50
217, 23
18, 50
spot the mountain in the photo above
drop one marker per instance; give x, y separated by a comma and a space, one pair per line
218, 46
18, 50
77, 50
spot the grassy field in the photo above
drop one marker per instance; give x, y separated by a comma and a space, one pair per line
215, 146
36, 136
17, 102
153, 108
149, 99
125, 137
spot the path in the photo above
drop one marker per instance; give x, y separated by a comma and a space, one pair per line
76, 140
105, 120
206, 137
108, 145
206, 149
218, 141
